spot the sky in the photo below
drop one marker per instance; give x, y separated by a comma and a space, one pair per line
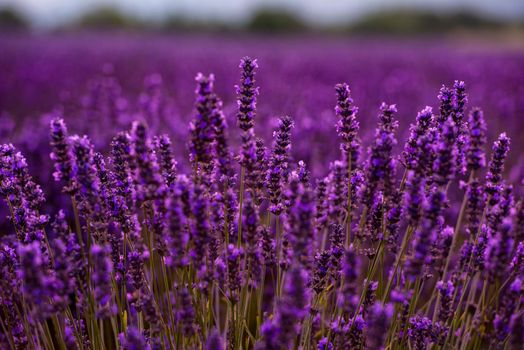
48, 13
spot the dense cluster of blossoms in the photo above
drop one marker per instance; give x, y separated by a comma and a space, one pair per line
151, 255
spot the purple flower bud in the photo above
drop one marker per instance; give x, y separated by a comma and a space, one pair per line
412, 151
496, 164
121, 161
420, 332
414, 198
348, 298
425, 235
337, 196
292, 308
441, 249
381, 166
476, 155
214, 341
378, 321
321, 207
186, 312
444, 167
445, 97
516, 331
267, 245
165, 159
347, 125
498, 251
393, 217
517, 263
320, 272
37, 284
459, 101
200, 226
61, 154
101, 279
324, 344
247, 93
234, 270
509, 301
133, 340
336, 239
370, 295
147, 178
278, 164
474, 206
446, 290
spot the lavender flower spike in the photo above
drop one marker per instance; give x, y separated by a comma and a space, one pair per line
496, 164
101, 279
278, 164
61, 154
247, 93
347, 125
378, 320
476, 156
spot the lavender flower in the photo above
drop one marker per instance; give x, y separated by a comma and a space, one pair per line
199, 226
378, 322
516, 331
121, 161
476, 156
291, 310
186, 312
414, 198
496, 164
347, 125
324, 344
420, 332
267, 246
88, 184
517, 263
459, 101
320, 273
214, 341
247, 93
278, 164
234, 271
133, 340
165, 159
446, 290
147, 177
508, 304
61, 154
446, 154
337, 192
37, 284
445, 97
393, 217
381, 167
101, 279
425, 235
474, 206
412, 152
347, 298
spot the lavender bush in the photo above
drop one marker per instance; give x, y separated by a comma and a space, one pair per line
244, 246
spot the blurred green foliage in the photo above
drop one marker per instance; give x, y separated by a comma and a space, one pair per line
107, 18
419, 22
269, 20
11, 20
272, 20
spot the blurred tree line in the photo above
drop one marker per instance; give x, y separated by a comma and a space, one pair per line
391, 22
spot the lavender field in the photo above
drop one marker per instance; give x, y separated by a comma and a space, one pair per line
248, 192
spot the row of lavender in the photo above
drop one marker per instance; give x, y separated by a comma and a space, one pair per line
40, 72
246, 251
